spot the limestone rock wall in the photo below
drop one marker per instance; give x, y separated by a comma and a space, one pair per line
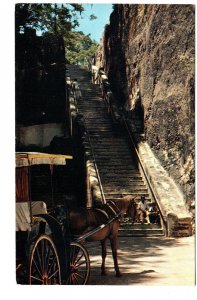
149, 50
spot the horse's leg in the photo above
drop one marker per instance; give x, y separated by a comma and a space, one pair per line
104, 254
114, 246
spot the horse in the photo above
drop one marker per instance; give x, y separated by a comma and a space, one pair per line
82, 220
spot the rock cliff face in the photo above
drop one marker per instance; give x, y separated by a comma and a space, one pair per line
148, 54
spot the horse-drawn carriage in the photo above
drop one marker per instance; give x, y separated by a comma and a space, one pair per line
45, 253
49, 241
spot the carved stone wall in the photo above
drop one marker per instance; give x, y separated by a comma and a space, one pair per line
148, 51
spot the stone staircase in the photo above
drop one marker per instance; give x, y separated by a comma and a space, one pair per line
113, 153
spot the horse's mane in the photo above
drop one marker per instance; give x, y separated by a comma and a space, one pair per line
123, 203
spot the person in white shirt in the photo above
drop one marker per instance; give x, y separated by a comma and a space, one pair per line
143, 210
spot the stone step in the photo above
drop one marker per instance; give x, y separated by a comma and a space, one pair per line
109, 172
101, 130
140, 232
124, 190
95, 136
137, 229
96, 107
110, 144
114, 196
106, 166
97, 126
111, 164
113, 140
121, 180
126, 186
98, 123
115, 162
120, 151
119, 197
112, 159
94, 101
91, 114
117, 159
112, 155
91, 118
110, 167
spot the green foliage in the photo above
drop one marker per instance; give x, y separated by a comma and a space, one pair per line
80, 48
54, 17
59, 19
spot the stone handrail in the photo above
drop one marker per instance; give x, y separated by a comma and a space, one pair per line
95, 195
100, 78
94, 192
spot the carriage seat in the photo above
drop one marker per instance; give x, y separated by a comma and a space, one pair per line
23, 213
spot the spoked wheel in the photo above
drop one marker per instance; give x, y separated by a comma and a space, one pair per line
44, 265
79, 265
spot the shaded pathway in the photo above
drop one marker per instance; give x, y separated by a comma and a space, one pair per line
147, 261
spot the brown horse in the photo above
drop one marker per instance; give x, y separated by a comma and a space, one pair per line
83, 220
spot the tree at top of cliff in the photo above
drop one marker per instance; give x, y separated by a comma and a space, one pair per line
55, 18
80, 48
60, 20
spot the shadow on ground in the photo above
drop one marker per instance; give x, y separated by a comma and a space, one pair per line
142, 261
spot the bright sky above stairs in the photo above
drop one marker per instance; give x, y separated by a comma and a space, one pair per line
96, 27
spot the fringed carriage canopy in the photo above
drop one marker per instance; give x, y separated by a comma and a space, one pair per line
27, 159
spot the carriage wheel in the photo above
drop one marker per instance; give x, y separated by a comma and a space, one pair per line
44, 267
79, 264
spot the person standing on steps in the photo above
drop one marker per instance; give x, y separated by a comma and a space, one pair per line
143, 210
77, 92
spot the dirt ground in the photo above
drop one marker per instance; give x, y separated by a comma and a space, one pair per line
147, 261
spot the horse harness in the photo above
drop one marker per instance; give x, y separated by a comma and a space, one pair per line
109, 210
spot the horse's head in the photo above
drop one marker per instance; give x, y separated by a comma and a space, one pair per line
132, 208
